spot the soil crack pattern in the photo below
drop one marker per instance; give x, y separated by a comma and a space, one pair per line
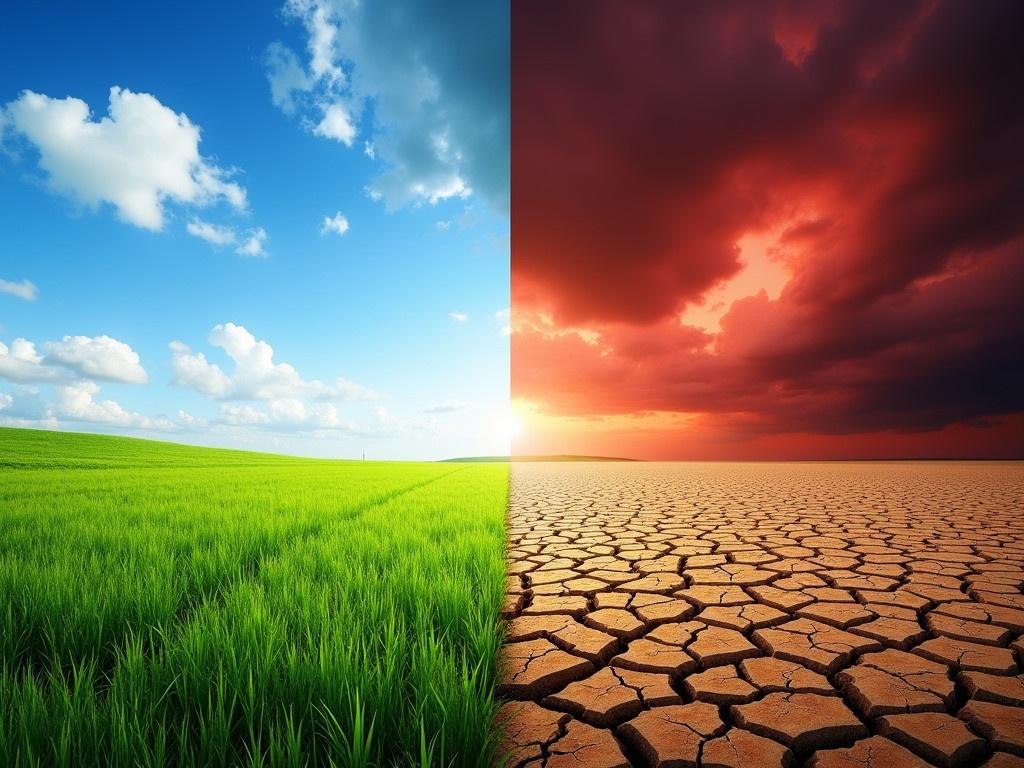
824, 615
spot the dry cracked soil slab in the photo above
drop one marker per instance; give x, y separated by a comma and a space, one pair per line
745, 615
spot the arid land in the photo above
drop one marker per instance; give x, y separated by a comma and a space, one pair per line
821, 614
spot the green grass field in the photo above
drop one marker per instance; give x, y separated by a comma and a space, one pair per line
168, 605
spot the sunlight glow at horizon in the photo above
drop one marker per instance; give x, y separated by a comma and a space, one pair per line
508, 427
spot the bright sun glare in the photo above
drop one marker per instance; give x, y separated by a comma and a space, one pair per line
508, 427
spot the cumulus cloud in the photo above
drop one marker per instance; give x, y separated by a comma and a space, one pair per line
137, 158
60, 384
243, 415
254, 244
187, 421
336, 124
98, 357
26, 407
193, 371
255, 374
337, 224
287, 77
261, 392
251, 244
459, 317
323, 33
23, 290
214, 234
429, 87
285, 414
76, 402
20, 363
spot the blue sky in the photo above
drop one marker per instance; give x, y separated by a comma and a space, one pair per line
284, 228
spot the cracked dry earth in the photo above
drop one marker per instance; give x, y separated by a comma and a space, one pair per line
748, 615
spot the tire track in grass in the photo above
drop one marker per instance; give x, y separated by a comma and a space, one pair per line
244, 562
250, 699
249, 571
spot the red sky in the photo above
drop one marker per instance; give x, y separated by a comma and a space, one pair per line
768, 229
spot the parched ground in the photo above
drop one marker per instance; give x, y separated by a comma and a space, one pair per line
827, 615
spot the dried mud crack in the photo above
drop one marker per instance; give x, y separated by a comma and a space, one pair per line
739, 616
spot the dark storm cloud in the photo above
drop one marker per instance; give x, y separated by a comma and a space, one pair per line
883, 141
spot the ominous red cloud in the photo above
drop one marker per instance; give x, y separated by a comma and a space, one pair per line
879, 148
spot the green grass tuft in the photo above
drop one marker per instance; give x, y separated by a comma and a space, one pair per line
168, 605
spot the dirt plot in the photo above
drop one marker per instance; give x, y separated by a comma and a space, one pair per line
820, 614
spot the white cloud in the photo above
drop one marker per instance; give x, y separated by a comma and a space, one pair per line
76, 402
288, 414
322, 37
286, 76
214, 234
193, 371
448, 407
72, 365
26, 407
97, 357
23, 290
438, 81
20, 363
188, 421
242, 415
443, 226
48, 421
255, 375
254, 244
137, 158
459, 317
443, 189
344, 389
336, 124
23, 349
337, 224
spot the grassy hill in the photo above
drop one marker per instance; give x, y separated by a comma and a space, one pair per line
165, 604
